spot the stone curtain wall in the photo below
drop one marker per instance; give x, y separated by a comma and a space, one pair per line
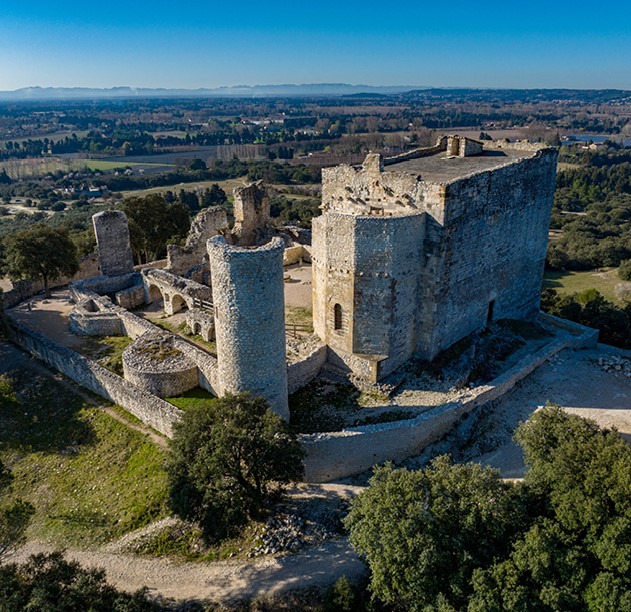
249, 301
112, 241
354, 450
147, 407
24, 289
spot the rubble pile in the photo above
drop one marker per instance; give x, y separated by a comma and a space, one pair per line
291, 531
615, 364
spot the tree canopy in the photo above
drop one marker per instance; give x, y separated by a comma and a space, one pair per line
154, 222
49, 582
40, 251
228, 459
454, 537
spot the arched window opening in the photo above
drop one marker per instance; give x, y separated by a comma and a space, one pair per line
337, 317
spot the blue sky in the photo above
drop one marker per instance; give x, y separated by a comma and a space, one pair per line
207, 44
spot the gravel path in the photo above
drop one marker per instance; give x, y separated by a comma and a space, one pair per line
222, 580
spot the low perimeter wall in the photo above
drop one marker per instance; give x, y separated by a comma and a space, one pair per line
354, 450
148, 408
302, 372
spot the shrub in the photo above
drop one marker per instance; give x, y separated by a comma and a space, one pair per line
49, 582
624, 271
457, 537
228, 459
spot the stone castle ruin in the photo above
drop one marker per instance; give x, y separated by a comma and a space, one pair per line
415, 252
410, 255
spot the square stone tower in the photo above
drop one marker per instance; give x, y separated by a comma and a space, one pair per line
415, 252
112, 240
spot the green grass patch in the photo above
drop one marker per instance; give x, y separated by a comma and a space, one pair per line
185, 541
183, 330
300, 316
603, 280
107, 350
195, 398
90, 478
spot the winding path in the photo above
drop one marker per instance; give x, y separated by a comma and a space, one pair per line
220, 581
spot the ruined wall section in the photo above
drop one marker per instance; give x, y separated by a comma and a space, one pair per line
491, 259
369, 190
112, 241
251, 213
206, 224
249, 302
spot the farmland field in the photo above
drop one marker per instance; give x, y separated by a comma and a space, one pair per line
603, 280
228, 185
54, 136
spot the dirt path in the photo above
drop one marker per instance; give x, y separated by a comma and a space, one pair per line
221, 580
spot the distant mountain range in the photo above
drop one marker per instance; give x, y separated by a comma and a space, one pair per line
250, 91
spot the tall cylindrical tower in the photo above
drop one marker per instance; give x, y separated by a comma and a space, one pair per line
249, 301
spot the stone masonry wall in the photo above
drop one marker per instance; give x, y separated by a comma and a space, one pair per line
206, 224
301, 373
251, 212
162, 375
147, 407
343, 453
24, 289
492, 250
248, 296
112, 241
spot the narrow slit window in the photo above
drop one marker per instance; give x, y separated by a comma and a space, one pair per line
337, 317
489, 314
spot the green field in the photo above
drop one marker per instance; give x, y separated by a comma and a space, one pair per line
104, 165
90, 477
228, 185
603, 280
54, 136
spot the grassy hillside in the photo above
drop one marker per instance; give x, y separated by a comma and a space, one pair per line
90, 477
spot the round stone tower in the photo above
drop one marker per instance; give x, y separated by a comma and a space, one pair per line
249, 302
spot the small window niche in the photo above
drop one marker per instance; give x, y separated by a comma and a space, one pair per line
337, 317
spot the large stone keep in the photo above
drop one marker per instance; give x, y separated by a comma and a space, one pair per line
112, 241
249, 303
415, 252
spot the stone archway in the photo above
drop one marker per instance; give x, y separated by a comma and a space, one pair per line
154, 294
178, 303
